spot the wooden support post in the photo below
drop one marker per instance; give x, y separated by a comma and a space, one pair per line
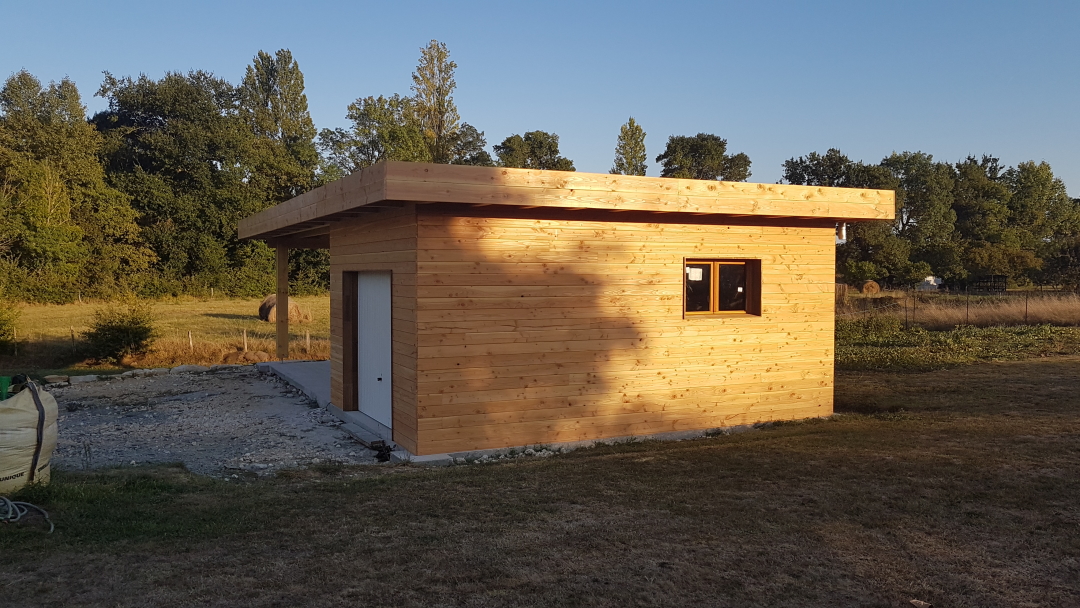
245, 340
282, 304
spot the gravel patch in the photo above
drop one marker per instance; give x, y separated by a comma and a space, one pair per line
223, 424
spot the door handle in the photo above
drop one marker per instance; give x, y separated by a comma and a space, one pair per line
379, 379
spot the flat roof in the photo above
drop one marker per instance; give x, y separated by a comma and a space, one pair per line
306, 219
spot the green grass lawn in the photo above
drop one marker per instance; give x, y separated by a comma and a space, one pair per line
959, 487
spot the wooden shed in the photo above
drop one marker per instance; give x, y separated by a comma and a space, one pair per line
476, 308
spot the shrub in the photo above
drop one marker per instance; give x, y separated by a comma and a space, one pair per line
873, 329
881, 343
117, 332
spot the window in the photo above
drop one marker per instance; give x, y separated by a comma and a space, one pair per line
716, 287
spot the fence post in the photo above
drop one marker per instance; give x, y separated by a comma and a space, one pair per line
190, 342
72, 338
967, 310
307, 342
1027, 294
245, 340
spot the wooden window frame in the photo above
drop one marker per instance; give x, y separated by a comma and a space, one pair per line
753, 287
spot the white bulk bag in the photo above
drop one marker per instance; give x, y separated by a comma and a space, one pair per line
27, 438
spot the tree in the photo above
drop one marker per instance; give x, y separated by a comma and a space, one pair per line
433, 86
422, 128
273, 103
284, 158
63, 228
534, 150
384, 128
1045, 220
181, 150
981, 200
873, 250
630, 150
468, 148
703, 156
832, 169
925, 215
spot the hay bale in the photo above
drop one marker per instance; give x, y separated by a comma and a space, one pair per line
268, 310
870, 288
239, 358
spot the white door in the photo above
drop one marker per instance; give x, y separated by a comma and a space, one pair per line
373, 346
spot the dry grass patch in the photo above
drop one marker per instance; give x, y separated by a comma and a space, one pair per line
958, 488
935, 311
216, 327
1037, 309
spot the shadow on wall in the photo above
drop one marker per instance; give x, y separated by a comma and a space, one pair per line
551, 325
521, 314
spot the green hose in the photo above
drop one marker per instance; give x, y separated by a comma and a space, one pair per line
11, 511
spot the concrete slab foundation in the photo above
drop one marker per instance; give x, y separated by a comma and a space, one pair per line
313, 379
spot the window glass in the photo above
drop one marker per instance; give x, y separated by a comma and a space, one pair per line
698, 287
732, 287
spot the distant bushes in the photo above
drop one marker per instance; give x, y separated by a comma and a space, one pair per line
117, 332
881, 342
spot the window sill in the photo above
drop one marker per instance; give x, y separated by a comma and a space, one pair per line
725, 314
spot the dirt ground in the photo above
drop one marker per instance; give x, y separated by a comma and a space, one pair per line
960, 488
223, 424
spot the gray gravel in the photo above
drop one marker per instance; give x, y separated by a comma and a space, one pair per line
226, 423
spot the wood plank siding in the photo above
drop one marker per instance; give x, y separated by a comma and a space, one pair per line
534, 307
384, 241
311, 214
534, 327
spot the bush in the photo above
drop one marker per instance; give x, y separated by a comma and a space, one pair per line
882, 343
873, 329
117, 332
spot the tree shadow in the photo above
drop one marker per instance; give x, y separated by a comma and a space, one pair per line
551, 325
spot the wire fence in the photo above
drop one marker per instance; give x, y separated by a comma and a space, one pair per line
943, 310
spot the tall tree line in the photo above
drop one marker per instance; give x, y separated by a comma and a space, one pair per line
144, 197
959, 221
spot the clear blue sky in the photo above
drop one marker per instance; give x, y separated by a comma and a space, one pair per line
776, 79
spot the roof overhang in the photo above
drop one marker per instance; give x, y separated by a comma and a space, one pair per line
304, 222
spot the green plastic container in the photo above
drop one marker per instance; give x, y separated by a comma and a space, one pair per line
5, 383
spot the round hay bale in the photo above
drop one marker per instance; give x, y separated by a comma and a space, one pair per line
268, 310
870, 288
240, 358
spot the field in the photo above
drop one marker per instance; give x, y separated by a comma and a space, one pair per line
943, 311
956, 493
216, 326
950, 474
887, 332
